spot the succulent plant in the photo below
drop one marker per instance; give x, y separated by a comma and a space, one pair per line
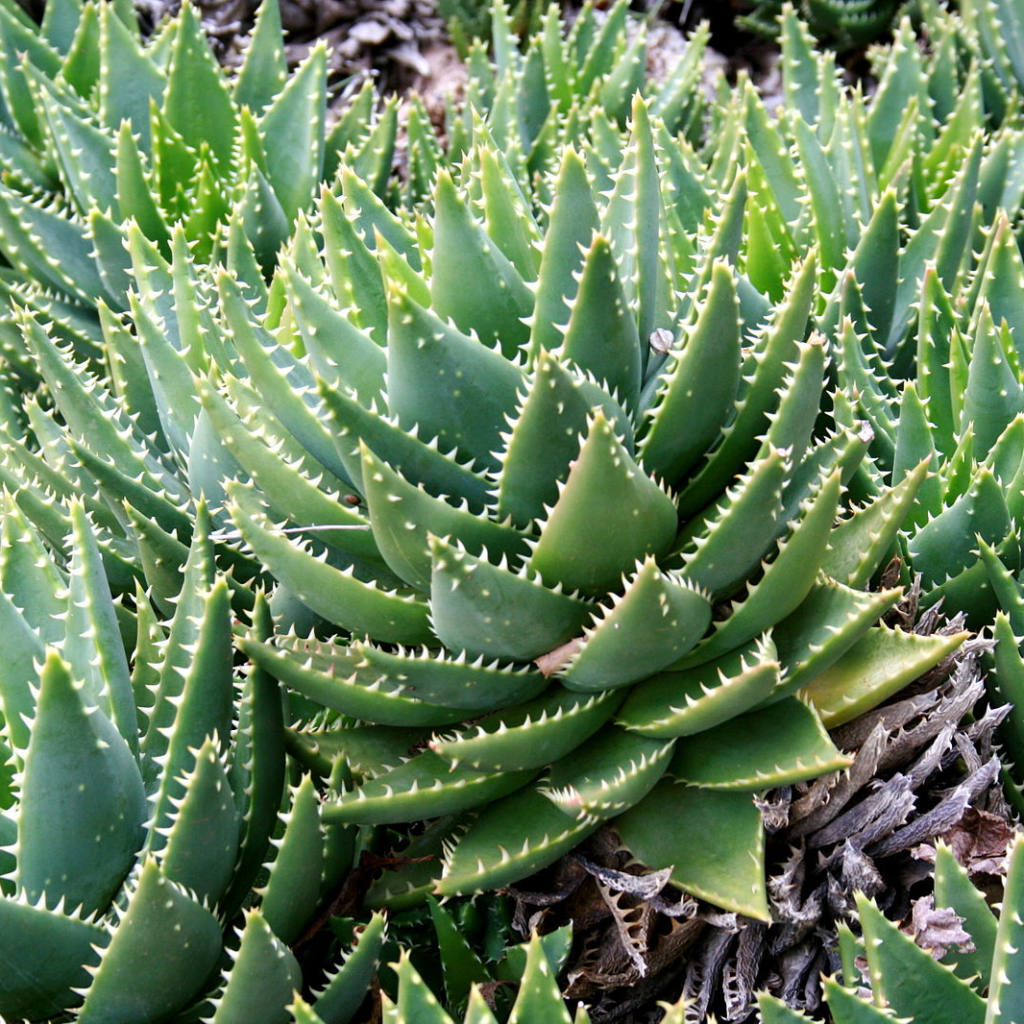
493, 591
497, 595
980, 982
141, 801
99, 130
538, 997
844, 24
552, 456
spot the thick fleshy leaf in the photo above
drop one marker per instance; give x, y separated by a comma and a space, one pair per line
628, 517
878, 665
907, 979
330, 676
670, 615
773, 746
262, 980
697, 388
530, 735
613, 771
487, 610
681, 703
511, 839
48, 963
82, 804
336, 594
451, 387
165, 947
498, 300
426, 786
728, 872
291, 893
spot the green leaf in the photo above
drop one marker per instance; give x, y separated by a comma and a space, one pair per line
290, 492
613, 771
204, 702
264, 69
529, 735
954, 889
681, 703
832, 234
128, 79
667, 612
262, 979
940, 548
571, 228
994, 395
728, 872
488, 610
346, 989
292, 131
679, 428
539, 996
826, 625
783, 583
775, 1011
404, 516
426, 786
343, 353
416, 460
764, 371
905, 978
92, 643
859, 543
1006, 994
162, 952
257, 768
85, 154
82, 804
198, 102
47, 967
773, 746
336, 594
499, 300
628, 515
878, 665
445, 385
291, 893
545, 437
723, 546
18, 673
202, 844
329, 675
415, 1001
601, 336
511, 839
33, 234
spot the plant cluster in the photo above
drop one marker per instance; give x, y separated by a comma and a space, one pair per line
845, 25
442, 521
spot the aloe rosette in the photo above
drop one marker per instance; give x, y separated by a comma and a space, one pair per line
547, 454
140, 802
102, 128
844, 24
576, 529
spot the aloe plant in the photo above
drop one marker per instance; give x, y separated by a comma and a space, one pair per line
100, 130
538, 998
979, 982
844, 24
141, 801
552, 457
390, 416
515, 579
